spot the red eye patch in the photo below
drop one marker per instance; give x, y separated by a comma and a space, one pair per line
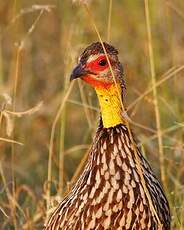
98, 64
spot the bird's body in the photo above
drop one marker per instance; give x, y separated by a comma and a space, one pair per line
110, 193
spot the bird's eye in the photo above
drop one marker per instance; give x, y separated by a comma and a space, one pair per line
102, 62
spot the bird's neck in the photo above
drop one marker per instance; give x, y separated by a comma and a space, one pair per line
110, 104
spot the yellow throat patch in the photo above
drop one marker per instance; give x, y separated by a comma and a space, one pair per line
110, 105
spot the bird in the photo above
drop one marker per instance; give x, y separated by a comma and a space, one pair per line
117, 189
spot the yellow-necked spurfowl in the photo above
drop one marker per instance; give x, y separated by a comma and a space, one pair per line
111, 193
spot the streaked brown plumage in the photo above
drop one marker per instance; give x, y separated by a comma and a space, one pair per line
109, 193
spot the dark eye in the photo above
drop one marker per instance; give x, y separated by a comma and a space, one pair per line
103, 62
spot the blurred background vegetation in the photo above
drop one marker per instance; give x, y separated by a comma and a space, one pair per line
40, 41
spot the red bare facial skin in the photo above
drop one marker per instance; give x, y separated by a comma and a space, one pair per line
97, 66
95, 83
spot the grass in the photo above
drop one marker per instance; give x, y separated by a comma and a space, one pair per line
56, 136
155, 94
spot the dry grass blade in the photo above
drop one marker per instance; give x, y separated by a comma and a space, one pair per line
141, 126
51, 145
31, 111
155, 94
9, 123
64, 115
32, 9
9, 117
15, 85
109, 21
164, 132
16, 78
23, 12
11, 141
83, 105
4, 213
11, 199
81, 1
76, 148
61, 152
158, 83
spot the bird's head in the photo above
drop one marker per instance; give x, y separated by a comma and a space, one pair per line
94, 69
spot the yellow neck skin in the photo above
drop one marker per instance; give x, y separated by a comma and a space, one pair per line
110, 105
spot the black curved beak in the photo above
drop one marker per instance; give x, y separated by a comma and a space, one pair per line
79, 71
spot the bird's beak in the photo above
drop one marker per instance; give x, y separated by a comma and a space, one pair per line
78, 71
